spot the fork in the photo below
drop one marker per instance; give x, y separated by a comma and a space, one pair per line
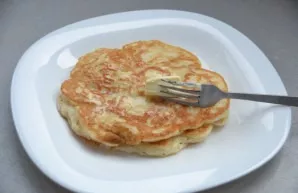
207, 95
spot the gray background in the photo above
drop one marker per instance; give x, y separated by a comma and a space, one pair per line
271, 24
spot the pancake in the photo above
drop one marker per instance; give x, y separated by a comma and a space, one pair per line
164, 147
157, 53
174, 144
169, 146
104, 101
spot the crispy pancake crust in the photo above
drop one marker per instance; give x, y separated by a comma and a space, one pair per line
164, 147
169, 146
174, 144
160, 148
105, 92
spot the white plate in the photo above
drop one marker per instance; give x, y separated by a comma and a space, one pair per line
254, 134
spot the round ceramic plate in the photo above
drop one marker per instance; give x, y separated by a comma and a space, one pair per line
254, 133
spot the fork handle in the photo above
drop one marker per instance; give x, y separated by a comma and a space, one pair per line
282, 100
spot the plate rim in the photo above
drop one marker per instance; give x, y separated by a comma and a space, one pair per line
161, 13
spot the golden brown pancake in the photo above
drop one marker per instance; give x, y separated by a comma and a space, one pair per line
174, 144
160, 148
164, 147
103, 100
169, 146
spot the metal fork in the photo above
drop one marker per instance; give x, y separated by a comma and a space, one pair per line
205, 95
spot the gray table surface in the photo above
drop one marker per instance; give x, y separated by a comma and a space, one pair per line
271, 24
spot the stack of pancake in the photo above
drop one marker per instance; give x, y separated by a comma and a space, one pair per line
104, 99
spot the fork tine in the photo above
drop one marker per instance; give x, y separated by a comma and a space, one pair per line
197, 92
177, 83
176, 100
180, 94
